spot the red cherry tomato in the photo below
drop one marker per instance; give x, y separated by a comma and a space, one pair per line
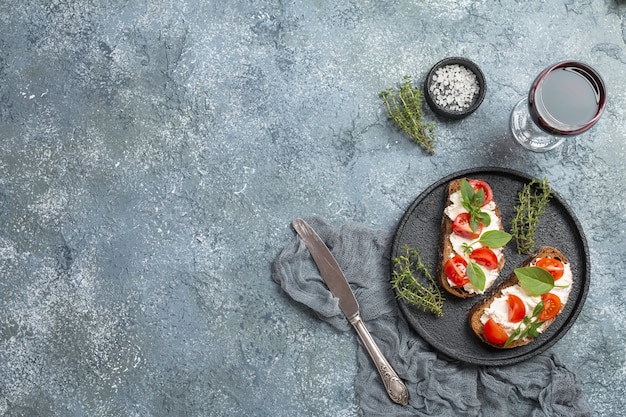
495, 333
454, 269
551, 306
480, 184
553, 266
517, 309
461, 227
485, 257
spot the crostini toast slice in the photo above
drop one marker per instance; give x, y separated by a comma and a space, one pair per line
447, 251
475, 317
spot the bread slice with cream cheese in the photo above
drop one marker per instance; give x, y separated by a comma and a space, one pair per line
451, 245
494, 305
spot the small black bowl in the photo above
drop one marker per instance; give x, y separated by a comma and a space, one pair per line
468, 103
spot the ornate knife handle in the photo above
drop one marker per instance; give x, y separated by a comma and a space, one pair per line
396, 389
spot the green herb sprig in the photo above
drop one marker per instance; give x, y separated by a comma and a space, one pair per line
472, 201
414, 283
531, 203
529, 326
405, 109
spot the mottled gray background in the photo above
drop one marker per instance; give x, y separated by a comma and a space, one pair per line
154, 153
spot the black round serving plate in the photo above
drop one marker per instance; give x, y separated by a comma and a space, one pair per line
451, 334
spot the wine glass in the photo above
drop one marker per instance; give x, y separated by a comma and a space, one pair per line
565, 100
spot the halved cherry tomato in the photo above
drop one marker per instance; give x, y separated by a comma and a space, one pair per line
517, 309
454, 269
485, 257
461, 227
495, 333
551, 306
553, 266
480, 184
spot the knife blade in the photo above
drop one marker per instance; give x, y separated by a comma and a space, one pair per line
338, 285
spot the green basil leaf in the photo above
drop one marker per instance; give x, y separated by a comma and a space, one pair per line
495, 239
467, 192
484, 218
479, 197
473, 223
536, 281
476, 276
467, 206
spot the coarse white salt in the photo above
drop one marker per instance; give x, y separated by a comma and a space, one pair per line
454, 87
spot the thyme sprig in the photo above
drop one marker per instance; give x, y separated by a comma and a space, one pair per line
405, 109
414, 283
531, 203
529, 327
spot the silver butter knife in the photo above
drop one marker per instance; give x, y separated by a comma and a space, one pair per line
338, 285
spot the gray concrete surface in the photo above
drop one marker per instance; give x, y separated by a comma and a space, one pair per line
153, 155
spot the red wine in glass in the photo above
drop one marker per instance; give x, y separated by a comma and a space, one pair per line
566, 99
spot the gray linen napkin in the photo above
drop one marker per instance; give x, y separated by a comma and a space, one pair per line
541, 386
